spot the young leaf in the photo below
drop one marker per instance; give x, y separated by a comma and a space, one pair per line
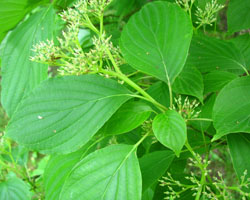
170, 129
14, 189
208, 54
231, 108
109, 173
19, 74
189, 82
156, 40
216, 80
129, 116
153, 166
239, 146
238, 15
62, 114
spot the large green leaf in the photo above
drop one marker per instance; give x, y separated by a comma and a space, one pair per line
208, 54
239, 146
242, 42
11, 12
62, 114
231, 108
153, 166
129, 116
216, 80
238, 15
156, 40
14, 189
189, 82
58, 169
110, 173
19, 74
170, 129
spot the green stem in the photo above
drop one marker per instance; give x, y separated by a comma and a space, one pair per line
170, 94
202, 183
200, 119
136, 87
203, 171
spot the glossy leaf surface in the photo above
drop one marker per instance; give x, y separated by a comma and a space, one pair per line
238, 15
156, 40
231, 108
13, 11
56, 172
189, 82
242, 42
239, 146
216, 80
128, 117
170, 129
62, 114
153, 166
208, 54
110, 173
19, 74
14, 189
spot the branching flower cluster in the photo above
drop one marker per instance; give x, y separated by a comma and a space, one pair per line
213, 188
208, 15
185, 4
69, 54
186, 109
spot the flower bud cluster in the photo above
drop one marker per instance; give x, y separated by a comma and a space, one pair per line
185, 4
208, 15
187, 108
69, 55
215, 189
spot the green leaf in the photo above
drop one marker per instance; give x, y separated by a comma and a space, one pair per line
62, 114
148, 194
170, 130
202, 3
20, 155
14, 189
238, 15
206, 112
121, 7
231, 108
159, 91
129, 116
239, 146
65, 3
242, 42
156, 40
153, 166
216, 80
109, 173
189, 82
19, 74
208, 54
11, 12
56, 172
